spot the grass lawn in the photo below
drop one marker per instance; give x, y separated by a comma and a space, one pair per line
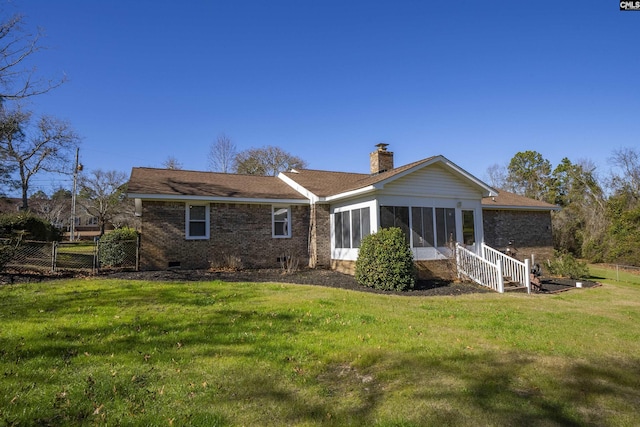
109, 352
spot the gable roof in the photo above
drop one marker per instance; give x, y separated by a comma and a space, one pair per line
167, 184
507, 200
327, 185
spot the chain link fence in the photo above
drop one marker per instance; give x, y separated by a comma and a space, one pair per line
32, 256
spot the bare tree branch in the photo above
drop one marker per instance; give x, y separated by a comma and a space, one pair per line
221, 154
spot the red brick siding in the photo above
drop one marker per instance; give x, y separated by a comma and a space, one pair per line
530, 232
239, 230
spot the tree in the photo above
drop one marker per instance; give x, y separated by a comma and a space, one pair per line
172, 163
17, 81
221, 154
497, 176
102, 194
529, 174
266, 161
29, 149
627, 180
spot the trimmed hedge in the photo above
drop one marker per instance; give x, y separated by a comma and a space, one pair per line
29, 226
385, 261
118, 246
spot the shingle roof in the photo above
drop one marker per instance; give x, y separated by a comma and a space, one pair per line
170, 182
507, 200
327, 183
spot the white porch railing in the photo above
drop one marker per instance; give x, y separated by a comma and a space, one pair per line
481, 271
516, 271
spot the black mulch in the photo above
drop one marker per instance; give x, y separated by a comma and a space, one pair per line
321, 277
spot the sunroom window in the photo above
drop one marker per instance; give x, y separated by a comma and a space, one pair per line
281, 221
350, 227
197, 221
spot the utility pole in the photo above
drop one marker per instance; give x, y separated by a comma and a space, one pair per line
76, 169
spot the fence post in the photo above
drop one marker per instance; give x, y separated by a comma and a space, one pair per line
500, 277
138, 252
54, 254
527, 275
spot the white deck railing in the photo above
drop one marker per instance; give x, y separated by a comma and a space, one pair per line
517, 271
481, 271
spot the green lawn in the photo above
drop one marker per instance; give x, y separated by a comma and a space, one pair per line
110, 352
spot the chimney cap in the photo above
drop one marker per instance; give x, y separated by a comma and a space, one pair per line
382, 146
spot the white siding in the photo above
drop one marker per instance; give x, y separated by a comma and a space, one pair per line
433, 181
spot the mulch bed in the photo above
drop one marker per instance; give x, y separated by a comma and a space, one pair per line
320, 277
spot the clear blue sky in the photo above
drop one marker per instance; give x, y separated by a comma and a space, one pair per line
475, 81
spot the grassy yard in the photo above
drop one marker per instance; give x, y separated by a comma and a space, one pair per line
109, 352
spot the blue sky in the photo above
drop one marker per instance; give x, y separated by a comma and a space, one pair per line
327, 80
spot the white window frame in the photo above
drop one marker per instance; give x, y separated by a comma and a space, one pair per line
287, 225
188, 221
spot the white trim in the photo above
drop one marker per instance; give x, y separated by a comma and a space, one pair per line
352, 193
210, 199
287, 225
299, 188
207, 221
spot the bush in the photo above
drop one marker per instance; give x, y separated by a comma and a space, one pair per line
385, 261
27, 226
566, 265
118, 247
7, 250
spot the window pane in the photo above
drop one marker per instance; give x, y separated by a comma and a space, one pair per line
386, 216
445, 225
337, 229
346, 235
197, 213
280, 228
365, 222
355, 228
402, 220
468, 228
422, 223
280, 214
451, 224
197, 229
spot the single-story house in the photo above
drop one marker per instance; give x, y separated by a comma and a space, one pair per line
197, 219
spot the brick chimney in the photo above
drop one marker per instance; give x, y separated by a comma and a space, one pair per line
381, 160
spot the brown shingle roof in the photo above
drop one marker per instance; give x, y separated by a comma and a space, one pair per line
327, 183
506, 200
171, 182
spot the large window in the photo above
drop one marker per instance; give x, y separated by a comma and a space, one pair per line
468, 228
422, 227
281, 221
445, 226
395, 216
429, 226
350, 227
197, 221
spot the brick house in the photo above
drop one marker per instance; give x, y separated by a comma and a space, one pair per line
195, 219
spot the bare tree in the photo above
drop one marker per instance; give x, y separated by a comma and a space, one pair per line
17, 79
221, 154
102, 194
46, 146
497, 176
172, 163
266, 161
627, 180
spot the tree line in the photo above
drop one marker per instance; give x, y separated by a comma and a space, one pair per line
599, 219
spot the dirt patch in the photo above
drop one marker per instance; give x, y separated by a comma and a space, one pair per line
318, 277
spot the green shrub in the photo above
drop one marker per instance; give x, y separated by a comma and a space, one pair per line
118, 247
28, 227
385, 261
7, 250
566, 265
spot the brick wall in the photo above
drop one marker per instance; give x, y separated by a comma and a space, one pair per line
530, 232
323, 235
241, 231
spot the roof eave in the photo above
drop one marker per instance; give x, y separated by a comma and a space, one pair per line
185, 198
